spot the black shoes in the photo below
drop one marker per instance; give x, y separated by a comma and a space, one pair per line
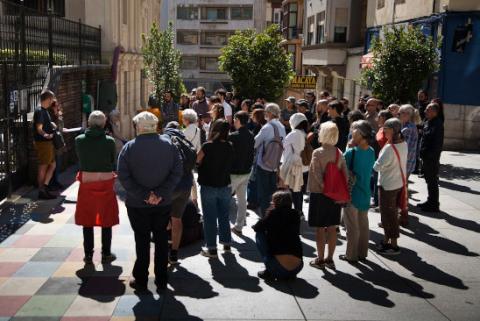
428, 207
108, 258
139, 287
45, 195
88, 259
265, 275
173, 257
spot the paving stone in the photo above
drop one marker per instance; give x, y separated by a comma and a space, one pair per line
52, 254
21, 286
46, 306
92, 306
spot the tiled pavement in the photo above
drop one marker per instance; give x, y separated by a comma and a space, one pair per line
436, 277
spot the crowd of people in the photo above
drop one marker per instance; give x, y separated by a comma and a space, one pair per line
338, 158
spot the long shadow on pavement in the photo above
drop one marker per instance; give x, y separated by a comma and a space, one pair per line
186, 283
102, 286
358, 289
423, 233
173, 309
411, 261
242, 280
452, 220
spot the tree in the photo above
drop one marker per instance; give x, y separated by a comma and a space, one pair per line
162, 61
402, 61
257, 63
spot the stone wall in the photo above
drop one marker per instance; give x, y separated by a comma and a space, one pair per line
462, 127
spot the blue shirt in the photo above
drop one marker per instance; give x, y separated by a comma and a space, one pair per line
362, 168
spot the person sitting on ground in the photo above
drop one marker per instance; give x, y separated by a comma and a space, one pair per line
278, 241
97, 203
324, 212
360, 159
390, 165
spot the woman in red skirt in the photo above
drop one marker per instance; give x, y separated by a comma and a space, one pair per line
97, 202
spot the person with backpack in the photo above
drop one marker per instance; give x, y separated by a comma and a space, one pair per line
391, 166
360, 158
327, 184
215, 161
294, 169
269, 149
149, 187
243, 147
181, 194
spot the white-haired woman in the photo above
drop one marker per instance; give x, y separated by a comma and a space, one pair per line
97, 203
323, 212
407, 117
191, 131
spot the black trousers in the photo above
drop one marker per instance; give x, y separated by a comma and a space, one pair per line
297, 197
88, 243
431, 168
144, 222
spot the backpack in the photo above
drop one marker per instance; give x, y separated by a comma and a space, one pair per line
272, 151
192, 225
187, 151
306, 153
335, 185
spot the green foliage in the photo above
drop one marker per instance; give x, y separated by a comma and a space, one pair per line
162, 61
401, 62
257, 63
34, 55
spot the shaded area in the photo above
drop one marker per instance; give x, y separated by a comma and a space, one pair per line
450, 219
102, 286
451, 172
457, 187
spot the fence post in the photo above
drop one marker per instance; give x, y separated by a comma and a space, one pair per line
80, 42
50, 39
6, 122
23, 45
99, 42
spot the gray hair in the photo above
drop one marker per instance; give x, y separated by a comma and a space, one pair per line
395, 125
146, 122
328, 133
97, 119
364, 128
410, 110
273, 109
190, 115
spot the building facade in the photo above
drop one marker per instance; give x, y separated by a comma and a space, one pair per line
122, 22
333, 44
202, 28
455, 26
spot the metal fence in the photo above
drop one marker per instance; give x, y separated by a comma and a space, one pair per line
30, 44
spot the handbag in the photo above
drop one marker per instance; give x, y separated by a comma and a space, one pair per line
58, 141
402, 200
335, 185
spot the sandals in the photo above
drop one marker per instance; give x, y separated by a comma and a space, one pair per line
318, 264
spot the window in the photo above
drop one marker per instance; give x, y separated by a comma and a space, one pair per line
380, 4
320, 27
189, 62
277, 16
310, 30
187, 37
209, 63
241, 13
341, 23
187, 13
125, 12
290, 21
214, 38
211, 13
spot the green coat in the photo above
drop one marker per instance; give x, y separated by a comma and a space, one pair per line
96, 151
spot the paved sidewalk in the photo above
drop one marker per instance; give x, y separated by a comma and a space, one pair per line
436, 277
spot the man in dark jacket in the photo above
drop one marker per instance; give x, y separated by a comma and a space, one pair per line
243, 145
430, 149
149, 168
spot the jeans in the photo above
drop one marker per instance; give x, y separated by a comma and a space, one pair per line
271, 263
88, 243
144, 222
431, 168
216, 208
266, 186
239, 186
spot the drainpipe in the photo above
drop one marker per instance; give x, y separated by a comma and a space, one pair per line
116, 57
